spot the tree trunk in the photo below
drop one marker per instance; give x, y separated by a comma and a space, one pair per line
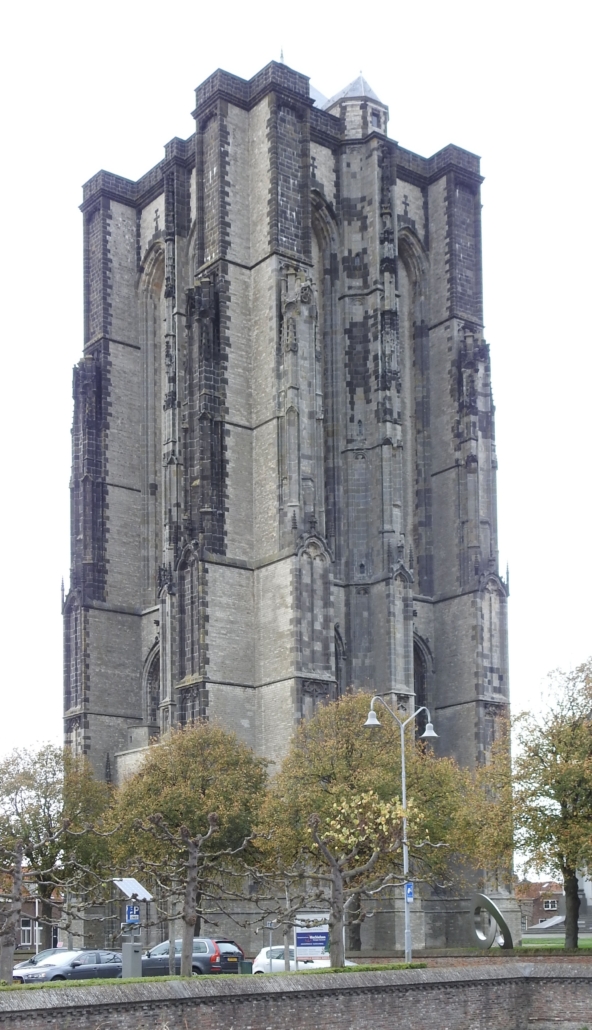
12, 918
67, 916
287, 948
336, 918
7, 943
287, 937
197, 931
172, 921
572, 907
45, 919
355, 928
189, 910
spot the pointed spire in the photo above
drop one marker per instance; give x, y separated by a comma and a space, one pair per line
282, 56
357, 88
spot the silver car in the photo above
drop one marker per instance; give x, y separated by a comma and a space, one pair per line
71, 965
39, 957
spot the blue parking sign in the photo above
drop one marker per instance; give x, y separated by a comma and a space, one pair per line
132, 913
408, 892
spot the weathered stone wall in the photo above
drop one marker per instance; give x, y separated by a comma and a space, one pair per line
283, 480
515, 997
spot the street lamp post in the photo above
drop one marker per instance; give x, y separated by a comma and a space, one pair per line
428, 733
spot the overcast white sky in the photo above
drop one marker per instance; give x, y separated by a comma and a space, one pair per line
107, 85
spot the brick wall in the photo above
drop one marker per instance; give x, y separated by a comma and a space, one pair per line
514, 997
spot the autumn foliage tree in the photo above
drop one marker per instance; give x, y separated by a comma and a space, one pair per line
338, 781
358, 846
485, 821
185, 815
49, 801
552, 786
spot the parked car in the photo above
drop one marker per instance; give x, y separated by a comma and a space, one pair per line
209, 956
71, 965
261, 964
39, 957
227, 940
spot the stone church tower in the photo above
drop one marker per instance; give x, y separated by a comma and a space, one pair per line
283, 478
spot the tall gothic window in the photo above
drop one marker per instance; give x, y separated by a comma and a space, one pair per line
153, 691
340, 667
420, 676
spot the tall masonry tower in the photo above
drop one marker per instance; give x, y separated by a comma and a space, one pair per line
283, 477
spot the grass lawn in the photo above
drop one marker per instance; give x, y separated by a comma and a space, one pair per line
60, 984
557, 943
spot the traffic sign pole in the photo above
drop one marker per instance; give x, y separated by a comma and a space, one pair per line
270, 926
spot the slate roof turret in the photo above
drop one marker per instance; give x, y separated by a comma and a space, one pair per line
357, 88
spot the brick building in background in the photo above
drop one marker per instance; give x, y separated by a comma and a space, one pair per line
283, 481
539, 902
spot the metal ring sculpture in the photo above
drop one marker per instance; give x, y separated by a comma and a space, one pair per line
498, 923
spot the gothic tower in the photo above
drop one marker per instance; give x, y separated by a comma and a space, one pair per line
283, 480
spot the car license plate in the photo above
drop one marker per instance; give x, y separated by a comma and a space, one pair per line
231, 959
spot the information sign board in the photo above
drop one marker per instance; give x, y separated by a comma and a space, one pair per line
312, 942
311, 934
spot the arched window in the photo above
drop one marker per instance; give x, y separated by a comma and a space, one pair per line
415, 404
187, 606
72, 656
315, 694
151, 314
340, 666
420, 677
152, 690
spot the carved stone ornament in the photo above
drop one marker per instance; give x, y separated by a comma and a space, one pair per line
297, 291
319, 689
314, 550
290, 337
166, 579
306, 292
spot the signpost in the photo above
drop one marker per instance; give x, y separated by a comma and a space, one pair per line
131, 949
408, 892
270, 924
